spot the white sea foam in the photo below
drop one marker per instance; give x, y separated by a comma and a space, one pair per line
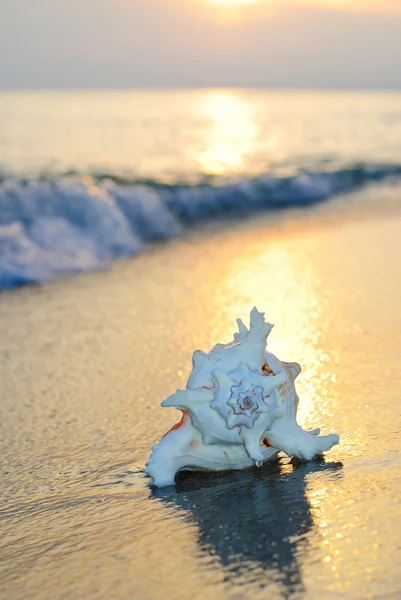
66, 226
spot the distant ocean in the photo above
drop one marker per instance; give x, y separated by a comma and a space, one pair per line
87, 177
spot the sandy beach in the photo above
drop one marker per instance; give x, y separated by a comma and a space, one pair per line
85, 363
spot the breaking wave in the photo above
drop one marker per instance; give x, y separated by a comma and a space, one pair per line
67, 225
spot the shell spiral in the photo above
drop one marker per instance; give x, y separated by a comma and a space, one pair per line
239, 408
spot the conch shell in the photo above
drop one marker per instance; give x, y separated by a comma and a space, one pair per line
238, 410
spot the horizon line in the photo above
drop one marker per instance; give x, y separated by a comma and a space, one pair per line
173, 88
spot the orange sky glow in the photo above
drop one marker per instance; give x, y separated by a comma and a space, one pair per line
359, 5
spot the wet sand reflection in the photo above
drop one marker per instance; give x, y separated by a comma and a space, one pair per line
256, 522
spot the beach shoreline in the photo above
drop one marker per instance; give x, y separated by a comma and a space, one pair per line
86, 361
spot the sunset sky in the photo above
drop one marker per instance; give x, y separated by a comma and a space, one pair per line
187, 43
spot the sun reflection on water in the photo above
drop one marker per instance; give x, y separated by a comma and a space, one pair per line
231, 132
297, 305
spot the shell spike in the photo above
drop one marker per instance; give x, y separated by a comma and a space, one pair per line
293, 370
222, 379
252, 445
272, 382
186, 398
257, 321
259, 329
173, 400
254, 344
242, 331
198, 359
294, 441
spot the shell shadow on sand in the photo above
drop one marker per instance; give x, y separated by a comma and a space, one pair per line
257, 522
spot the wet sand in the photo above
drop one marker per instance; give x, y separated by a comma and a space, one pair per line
84, 365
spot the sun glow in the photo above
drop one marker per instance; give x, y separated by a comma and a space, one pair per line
365, 5
233, 3
236, 7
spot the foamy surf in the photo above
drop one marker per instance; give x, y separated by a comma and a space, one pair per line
65, 226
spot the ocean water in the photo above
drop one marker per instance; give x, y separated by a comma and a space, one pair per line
88, 177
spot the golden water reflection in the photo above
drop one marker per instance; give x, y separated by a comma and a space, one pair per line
231, 132
297, 306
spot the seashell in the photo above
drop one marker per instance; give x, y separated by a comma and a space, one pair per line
238, 410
